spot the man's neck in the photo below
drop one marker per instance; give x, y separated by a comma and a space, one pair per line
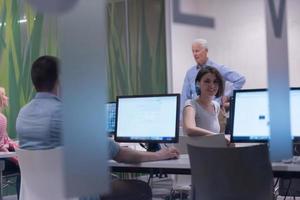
202, 64
50, 92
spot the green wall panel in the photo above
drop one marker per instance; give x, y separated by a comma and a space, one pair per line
24, 36
136, 48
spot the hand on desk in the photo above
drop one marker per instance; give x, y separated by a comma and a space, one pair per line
127, 155
168, 153
13, 146
10, 147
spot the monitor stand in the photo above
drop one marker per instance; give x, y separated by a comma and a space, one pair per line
153, 146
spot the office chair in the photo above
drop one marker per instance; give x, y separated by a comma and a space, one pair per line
231, 173
9, 181
41, 174
10, 176
182, 183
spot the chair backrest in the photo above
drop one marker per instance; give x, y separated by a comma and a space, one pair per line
231, 173
41, 174
217, 140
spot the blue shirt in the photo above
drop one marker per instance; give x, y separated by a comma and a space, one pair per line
189, 88
39, 123
113, 148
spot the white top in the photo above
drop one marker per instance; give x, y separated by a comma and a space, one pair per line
203, 118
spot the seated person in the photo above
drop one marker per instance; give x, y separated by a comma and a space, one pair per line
7, 144
200, 115
39, 123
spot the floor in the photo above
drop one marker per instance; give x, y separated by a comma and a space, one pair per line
156, 195
11, 197
161, 188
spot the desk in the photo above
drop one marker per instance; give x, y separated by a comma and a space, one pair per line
2, 166
285, 170
175, 166
182, 166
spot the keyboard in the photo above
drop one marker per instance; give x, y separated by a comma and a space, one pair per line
294, 159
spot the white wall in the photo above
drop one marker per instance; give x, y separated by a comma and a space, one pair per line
293, 16
237, 40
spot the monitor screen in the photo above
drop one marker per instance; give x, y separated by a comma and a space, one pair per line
295, 113
111, 117
250, 115
148, 118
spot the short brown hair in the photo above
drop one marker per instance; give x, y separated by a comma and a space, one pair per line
44, 73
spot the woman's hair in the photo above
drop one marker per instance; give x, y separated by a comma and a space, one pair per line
214, 71
1, 97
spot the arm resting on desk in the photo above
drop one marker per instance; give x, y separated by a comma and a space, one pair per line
13, 159
128, 155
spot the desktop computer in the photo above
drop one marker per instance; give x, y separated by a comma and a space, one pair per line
249, 115
149, 119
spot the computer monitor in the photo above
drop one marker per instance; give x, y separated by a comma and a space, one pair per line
250, 116
111, 117
148, 118
295, 113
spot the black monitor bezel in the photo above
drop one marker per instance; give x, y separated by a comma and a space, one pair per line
111, 133
229, 127
232, 109
130, 140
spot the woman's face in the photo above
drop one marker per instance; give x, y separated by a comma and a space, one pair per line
209, 85
3, 98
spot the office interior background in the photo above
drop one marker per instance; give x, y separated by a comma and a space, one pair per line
148, 44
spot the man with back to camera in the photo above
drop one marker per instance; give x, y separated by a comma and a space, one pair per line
200, 51
39, 123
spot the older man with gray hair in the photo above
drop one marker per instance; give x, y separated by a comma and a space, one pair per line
200, 52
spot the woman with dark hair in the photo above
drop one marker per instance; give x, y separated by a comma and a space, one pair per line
200, 115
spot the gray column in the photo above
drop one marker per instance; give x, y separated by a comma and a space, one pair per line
82, 49
278, 80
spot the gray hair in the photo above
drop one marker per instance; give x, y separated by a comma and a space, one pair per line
201, 41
